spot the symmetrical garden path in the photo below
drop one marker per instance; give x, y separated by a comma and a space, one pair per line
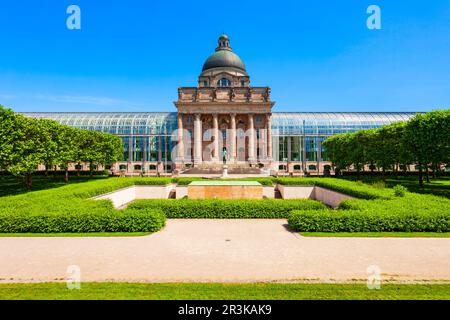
224, 251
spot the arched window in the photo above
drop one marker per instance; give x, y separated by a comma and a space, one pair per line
224, 82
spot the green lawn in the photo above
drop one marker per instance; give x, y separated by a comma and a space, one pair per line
219, 291
12, 186
439, 186
378, 234
80, 234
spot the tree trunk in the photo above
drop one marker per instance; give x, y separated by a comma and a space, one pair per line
66, 175
420, 176
427, 174
90, 169
29, 180
383, 174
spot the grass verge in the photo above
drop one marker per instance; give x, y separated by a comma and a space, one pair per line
219, 291
378, 234
81, 234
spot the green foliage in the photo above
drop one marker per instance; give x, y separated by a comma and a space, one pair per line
411, 213
96, 221
68, 209
399, 190
225, 209
222, 291
357, 221
25, 143
424, 140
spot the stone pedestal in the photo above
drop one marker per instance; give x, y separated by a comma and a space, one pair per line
224, 171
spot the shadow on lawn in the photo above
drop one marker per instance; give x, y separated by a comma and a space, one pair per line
10, 185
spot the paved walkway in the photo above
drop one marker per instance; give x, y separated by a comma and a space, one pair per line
224, 251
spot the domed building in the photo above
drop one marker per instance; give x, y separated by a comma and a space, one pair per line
223, 119
234, 116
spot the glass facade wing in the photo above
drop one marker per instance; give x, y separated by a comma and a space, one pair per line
145, 123
327, 124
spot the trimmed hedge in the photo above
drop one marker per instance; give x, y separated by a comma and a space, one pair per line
68, 209
107, 221
358, 221
223, 209
411, 213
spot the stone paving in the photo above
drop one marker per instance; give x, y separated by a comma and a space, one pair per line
224, 251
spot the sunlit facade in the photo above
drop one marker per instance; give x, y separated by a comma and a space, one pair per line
224, 119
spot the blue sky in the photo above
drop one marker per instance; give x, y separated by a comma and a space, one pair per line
316, 55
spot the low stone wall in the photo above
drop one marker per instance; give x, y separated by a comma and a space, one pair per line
296, 192
269, 192
121, 197
329, 197
181, 192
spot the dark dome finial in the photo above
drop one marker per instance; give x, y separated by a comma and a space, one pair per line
224, 42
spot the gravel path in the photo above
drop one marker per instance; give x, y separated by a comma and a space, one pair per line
224, 251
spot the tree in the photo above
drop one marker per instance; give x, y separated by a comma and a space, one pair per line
427, 140
28, 148
66, 149
337, 150
386, 147
50, 136
7, 136
111, 149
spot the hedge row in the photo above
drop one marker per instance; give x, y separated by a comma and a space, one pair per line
107, 221
358, 221
222, 209
408, 213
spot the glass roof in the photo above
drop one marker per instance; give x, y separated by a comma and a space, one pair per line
283, 123
120, 123
330, 123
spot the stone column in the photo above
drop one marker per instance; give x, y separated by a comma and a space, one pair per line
232, 138
180, 155
216, 153
269, 136
198, 139
251, 139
